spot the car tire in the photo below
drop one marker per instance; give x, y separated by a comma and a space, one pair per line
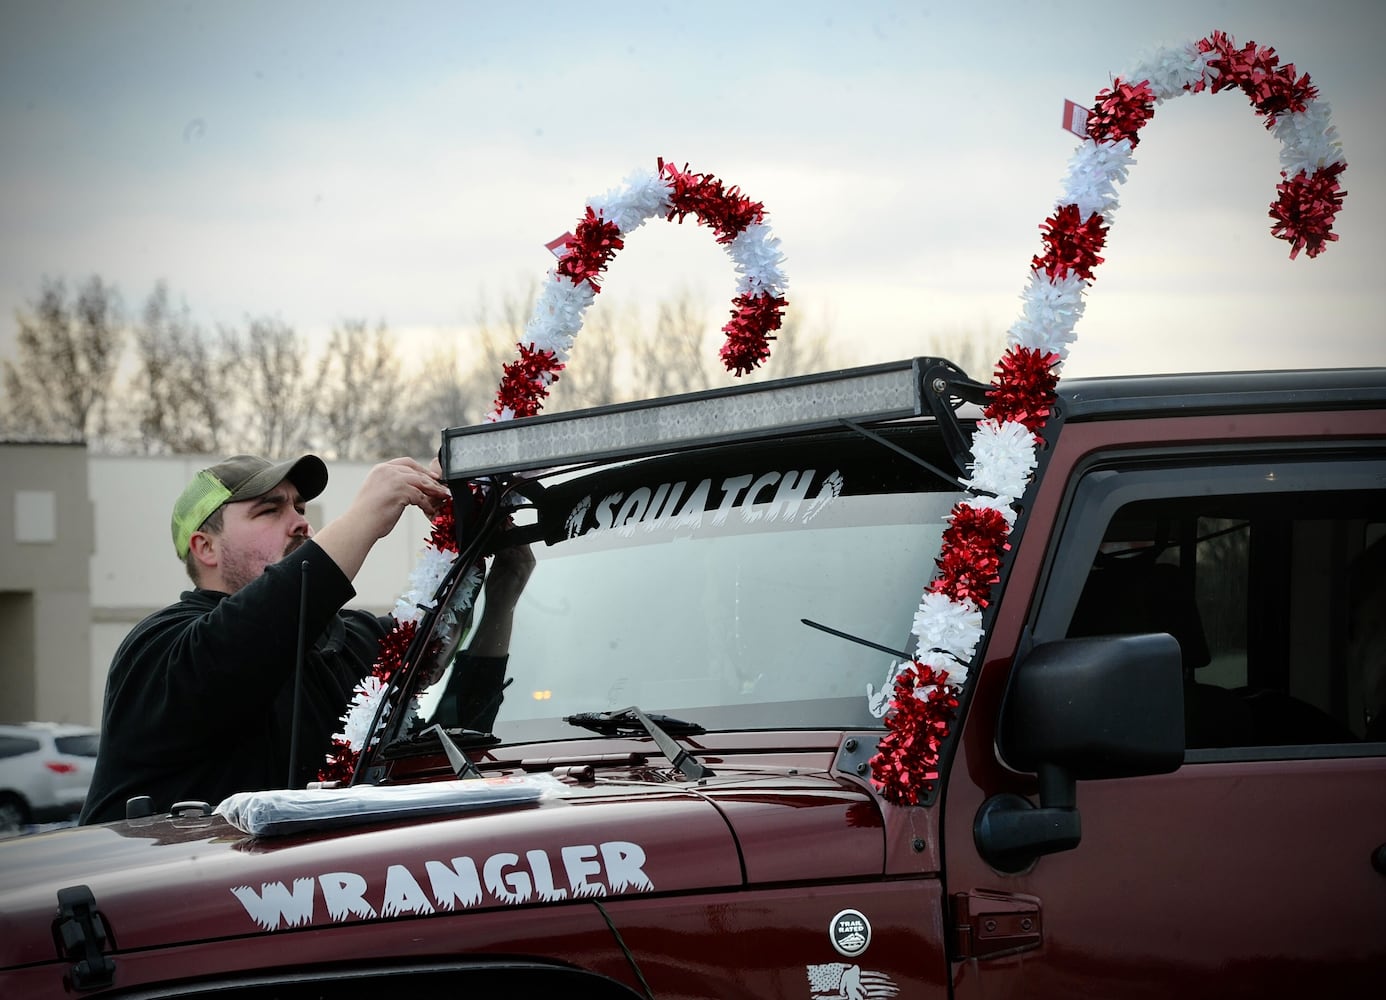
14, 815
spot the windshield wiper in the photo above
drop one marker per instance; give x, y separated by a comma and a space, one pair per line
630, 721
857, 639
451, 741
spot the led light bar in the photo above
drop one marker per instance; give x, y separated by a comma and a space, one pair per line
624, 430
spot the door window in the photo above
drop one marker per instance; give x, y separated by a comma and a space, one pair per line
1272, 577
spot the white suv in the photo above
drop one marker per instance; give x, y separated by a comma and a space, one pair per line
45, 769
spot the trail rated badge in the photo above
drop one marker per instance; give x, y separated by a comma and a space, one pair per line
850, 933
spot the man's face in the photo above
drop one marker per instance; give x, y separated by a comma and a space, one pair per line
256, 533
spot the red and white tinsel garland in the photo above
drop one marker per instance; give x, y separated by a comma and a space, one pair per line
948, 625
739, 224
434, 562
737, 221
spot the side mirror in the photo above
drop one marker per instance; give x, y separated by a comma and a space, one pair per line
1081, 709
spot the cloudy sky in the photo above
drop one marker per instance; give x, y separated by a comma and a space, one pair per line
398, 162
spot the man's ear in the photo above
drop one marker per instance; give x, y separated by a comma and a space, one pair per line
203, 548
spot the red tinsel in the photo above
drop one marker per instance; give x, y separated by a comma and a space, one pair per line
443, 535
1305, 209
340, 763
1271, 88
1121, 112
726, 211
393, 645
1072, 244
906, 762
969, 562
589, 249
748, 332
1023, 387
524, 384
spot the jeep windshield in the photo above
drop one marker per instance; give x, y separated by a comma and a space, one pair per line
680, 583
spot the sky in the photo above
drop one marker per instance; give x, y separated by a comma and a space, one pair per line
404, 162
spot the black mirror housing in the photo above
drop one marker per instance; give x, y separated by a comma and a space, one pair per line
1100, 707
1103, 707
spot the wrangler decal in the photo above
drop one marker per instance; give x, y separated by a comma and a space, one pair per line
344, 894
613, 866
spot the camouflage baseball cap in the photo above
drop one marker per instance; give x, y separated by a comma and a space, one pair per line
240, 477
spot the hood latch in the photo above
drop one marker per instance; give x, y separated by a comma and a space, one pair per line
80, 934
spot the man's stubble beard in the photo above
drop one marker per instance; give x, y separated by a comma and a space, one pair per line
237, 571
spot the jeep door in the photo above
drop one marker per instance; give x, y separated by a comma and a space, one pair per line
1258, 868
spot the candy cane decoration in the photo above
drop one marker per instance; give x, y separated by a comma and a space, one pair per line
572, 286
948, 625
739, 224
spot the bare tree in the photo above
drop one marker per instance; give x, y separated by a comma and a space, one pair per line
277, 400
974, 351
443, 394
614, 358
497, 334
457, 387
678, 354
68, 353
360, 394
683, 355
180, 395
593, 376
799, 350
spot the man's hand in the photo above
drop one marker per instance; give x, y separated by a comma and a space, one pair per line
388, 489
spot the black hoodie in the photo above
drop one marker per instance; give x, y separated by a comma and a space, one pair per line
199, 697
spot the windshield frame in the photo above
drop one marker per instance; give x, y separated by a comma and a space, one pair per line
916, 473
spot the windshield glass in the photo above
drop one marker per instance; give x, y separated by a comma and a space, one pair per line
680, 585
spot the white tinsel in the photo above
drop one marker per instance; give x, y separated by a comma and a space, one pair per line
1308, 139
643, 196
991, 503
356, 723
557, 315
450, 618
1049, 312
1169, 71
942, 624
558, 312
878, 701
756, 254
1094, 171
1003, 456
1004, 453
432, 565
429, 570
957, 668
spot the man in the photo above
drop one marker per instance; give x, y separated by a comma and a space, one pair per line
200, 696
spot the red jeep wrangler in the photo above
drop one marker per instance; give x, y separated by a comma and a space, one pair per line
670, 795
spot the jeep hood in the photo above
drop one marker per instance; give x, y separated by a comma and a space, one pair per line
166, 880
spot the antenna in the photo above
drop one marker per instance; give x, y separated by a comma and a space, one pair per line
298, 669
